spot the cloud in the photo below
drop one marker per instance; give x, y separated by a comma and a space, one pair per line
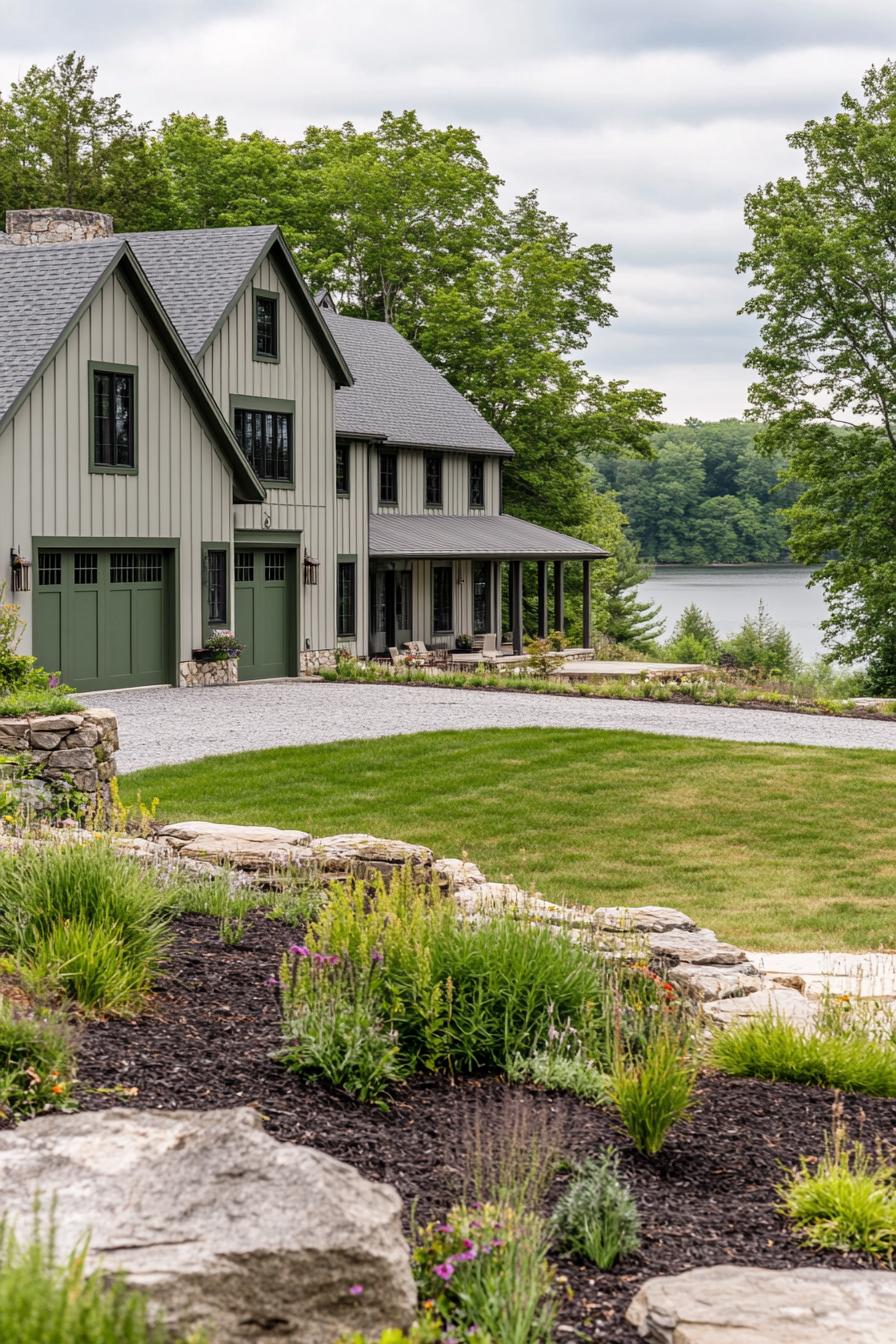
643, 124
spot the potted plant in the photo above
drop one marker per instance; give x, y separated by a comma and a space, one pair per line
219, 647
464, 643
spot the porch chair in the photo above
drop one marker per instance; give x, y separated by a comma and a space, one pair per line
489, 647
398, 659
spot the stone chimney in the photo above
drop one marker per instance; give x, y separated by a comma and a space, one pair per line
57, 226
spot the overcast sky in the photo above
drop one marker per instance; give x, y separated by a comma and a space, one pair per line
642, 122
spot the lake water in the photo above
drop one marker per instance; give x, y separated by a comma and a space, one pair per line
731, 592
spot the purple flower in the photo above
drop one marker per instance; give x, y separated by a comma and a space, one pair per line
333, 960
296, 951
444, 1271
468, 1244
273, 980
54, 680
376, 956
464, 1256
356, 1289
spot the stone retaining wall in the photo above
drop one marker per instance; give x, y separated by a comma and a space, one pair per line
193, 673
312, 660
79, 748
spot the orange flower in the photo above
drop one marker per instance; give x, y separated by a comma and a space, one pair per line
57, 1088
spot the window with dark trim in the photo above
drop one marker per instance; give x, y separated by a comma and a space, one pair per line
266, 343
482, 577
345, 598
433, 474
266, 440
477, 483
113, 420
442, 600
216, 587
49, 569
388, 477
343, 472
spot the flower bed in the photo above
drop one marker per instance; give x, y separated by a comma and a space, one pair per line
712, 691
709, 1198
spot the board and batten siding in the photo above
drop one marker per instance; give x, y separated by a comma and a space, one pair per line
182, 489
455, 483
300, 375
351, 540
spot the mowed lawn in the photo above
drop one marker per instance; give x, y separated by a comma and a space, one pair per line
773, 847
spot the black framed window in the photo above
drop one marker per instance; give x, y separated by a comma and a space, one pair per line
345, 598
388, 477
433, 470
216, 587
343, 471
49, 569
477, 483
266, 439
113, 420
442, 599
266, 342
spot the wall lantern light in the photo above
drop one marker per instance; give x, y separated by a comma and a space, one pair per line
310, 568
21, 572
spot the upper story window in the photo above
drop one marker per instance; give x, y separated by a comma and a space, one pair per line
265, 437
388, 477
477, 483
267, 343
343, 470
113, 412
433, 470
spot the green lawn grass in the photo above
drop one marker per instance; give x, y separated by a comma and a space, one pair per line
774, 847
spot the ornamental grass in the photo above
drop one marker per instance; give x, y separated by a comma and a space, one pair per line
81, 921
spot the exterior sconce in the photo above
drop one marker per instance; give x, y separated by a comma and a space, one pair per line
21, 572
310, 568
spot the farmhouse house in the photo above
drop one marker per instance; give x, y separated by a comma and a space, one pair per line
189, 441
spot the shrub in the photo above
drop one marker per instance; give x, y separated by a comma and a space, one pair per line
561, 1064
486, 1272
596, 1215
846, 1201
26, 701
697, 625
762, 645
85, 921
653, 1089
45, 1301
36, 1063
460, 995
771, 1048
332, 1019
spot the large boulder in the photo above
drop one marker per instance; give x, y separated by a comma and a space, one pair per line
787, 1005
219, 1224
731, 1304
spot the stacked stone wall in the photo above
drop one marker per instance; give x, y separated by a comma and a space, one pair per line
79, 748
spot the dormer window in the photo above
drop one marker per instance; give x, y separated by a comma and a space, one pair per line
267, 344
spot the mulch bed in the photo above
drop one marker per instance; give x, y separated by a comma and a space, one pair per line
707, 1199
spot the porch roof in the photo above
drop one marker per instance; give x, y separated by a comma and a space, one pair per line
398, 536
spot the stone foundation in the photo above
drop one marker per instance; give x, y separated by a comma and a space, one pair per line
193, 673
77, 749
312, 660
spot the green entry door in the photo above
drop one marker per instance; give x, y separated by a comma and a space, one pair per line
265, 611
103, 618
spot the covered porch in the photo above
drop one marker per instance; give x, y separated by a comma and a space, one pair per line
442, 579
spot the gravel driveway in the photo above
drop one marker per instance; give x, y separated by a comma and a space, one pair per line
161, 726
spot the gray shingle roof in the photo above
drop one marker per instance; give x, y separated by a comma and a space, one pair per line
398, 395
41, 290
197, 272
393, 535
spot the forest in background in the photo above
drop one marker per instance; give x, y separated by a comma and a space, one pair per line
705, 496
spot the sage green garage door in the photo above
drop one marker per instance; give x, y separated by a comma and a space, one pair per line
265, 611
105, 618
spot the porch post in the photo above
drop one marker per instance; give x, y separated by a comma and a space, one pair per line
542, 599
586, 603
497, 603
559, 614
516, 604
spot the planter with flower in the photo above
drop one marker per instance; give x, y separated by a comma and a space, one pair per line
215, 664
